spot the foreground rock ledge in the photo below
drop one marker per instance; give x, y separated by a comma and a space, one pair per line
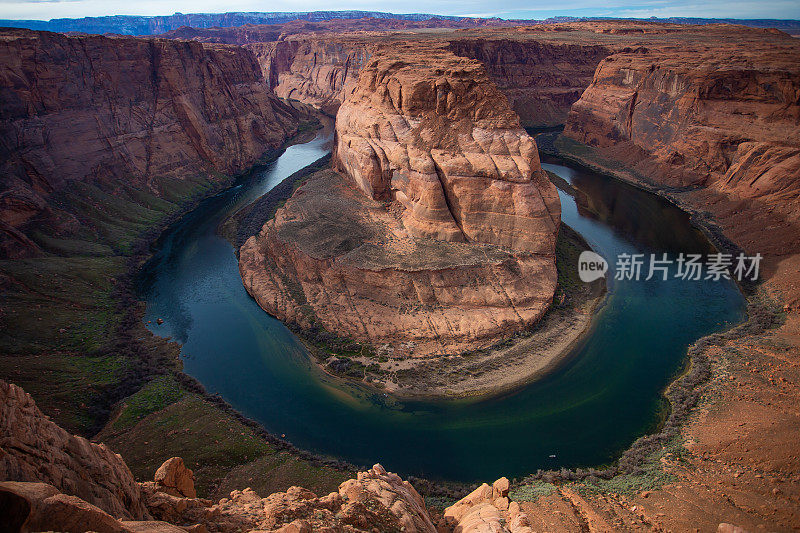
438, 237
44, 494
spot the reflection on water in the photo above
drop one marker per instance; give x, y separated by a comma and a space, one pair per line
584, 414
643, 218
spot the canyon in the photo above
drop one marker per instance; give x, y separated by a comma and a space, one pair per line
428, 126
112, 116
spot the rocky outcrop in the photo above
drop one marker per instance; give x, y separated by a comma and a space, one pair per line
336, 260
428, 130
34, 449
173, 477
486, 509
440, 240
51, 481
122, 114
541, 80
374, 500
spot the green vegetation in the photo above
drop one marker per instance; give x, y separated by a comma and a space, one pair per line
71, 334
156, 395
213, 444
569, 246
531, 492
439, 503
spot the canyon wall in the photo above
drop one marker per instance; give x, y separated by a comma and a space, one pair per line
698, 117
721, 119
541, 80
317, 72
119, 113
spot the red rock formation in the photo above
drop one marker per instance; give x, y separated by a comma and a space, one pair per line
720, 117
430, 131
699, 116
450, 241
487, 508
173, 477
37, 450
334, 259
122, 112
51, 481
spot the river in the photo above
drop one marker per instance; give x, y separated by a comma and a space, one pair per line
583, 414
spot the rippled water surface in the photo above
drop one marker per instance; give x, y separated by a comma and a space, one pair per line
585, 413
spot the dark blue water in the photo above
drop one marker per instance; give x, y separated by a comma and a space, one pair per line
585, 413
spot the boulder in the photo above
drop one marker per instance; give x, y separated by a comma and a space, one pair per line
174, 477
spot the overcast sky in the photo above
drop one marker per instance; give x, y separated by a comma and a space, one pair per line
533, 9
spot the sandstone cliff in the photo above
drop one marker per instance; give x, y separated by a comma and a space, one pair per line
34, 449
719, 118
334, 259
700, 116
430, 131
319, 72
121, 114
441, 240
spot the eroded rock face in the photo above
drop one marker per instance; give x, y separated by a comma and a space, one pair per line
429, 130
119, 114
440, 239
37, 450
335, 259
374, 499
319, 72
485, 509
701, 116
173, 477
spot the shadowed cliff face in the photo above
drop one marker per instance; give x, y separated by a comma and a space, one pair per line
721, 118
700, 116
540, 80
119, 113
316, 72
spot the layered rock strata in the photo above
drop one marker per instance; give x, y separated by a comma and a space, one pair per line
716, 123
335, 259
430, 131
122, 113
34, 449
441, 237
319, 72
700, 116
541, 80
